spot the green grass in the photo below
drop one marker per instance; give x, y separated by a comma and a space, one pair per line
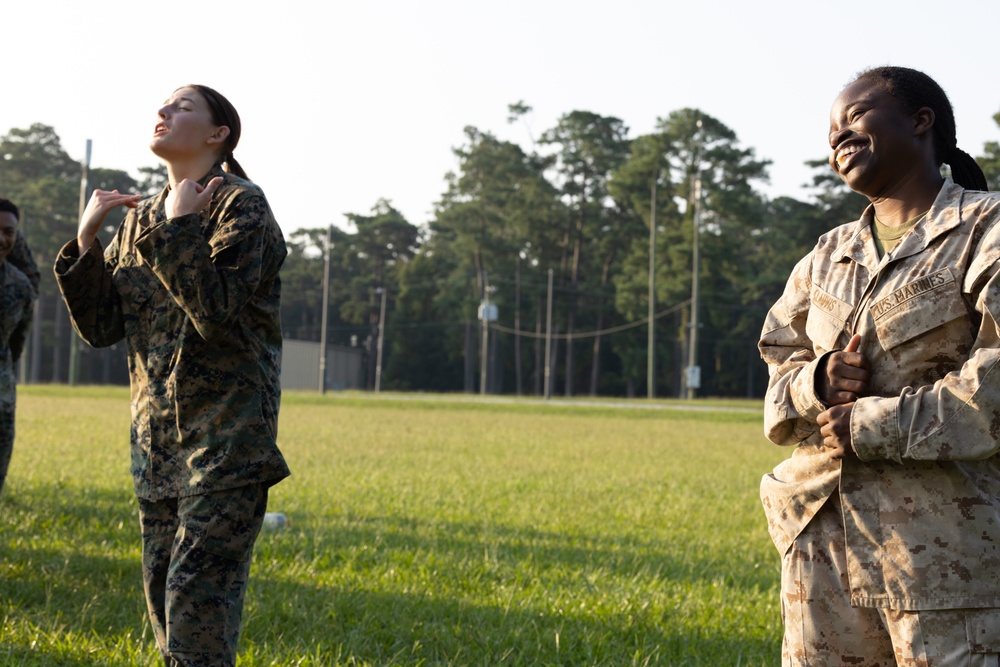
425, 531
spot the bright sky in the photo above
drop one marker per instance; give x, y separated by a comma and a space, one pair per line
344, 103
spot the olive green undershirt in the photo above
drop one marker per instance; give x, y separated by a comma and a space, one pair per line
887, 238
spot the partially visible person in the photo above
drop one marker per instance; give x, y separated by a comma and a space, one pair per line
22, 257
17, 297
191, 283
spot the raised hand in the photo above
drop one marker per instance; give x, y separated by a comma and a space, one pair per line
844, 378
190, 197
101, 202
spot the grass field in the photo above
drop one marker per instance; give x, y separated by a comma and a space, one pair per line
424, 531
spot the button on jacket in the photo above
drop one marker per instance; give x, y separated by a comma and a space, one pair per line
196, 299
921, 500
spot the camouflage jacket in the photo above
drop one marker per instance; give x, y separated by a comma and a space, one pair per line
21, 257
17, 297
921, 500
196, 299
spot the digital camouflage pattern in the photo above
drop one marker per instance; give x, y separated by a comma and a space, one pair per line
196, 299
822, 629
196, 555
21, 257
921, 500
17, 297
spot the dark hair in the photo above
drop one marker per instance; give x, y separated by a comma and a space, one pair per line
8, 206
915, 90
224, 113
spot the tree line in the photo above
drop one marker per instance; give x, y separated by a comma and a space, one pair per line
557, 238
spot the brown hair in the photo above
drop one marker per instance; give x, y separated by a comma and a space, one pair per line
224, 113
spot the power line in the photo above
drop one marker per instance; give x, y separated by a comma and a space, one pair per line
592, 334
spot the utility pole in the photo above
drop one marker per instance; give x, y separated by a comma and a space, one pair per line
517, 323
381, 338
36, 331
325, 307
486, 333
22, 371
650, 343
548, 342
487, 314
693, 370
74, 343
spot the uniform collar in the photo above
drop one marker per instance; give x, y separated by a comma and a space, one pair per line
943, 216
217, 170
155, 213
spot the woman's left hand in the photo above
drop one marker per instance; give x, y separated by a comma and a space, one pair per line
835, 427
190, 197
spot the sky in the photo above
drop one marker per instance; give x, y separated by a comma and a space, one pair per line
346, 103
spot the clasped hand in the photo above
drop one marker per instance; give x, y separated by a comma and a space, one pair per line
184, 198
100, 204
189, 197
842, 381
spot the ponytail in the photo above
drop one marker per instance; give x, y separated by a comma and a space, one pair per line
224, 113
233, 167
965, 170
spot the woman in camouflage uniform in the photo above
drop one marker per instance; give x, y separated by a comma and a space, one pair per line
884, 359
17, 298
190, 281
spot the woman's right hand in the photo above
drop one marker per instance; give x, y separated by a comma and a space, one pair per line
101, 202
844, 378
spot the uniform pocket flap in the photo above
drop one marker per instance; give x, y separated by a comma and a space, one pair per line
135, 284
917, 307
827, 320
982, 626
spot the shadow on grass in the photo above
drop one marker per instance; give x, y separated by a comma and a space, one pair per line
434, 622
419, 629
79, 575
28, 657
623, 555
69, 568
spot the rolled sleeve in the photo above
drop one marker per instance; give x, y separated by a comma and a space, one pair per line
875, 433
807, 401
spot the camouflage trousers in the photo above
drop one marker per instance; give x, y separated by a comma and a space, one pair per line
822, 629
6, 443
195, 567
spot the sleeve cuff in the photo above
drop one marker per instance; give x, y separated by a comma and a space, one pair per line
69, 260
875, 429
803, 392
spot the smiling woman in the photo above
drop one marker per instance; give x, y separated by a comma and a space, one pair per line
883, 116
191, 283
883, 354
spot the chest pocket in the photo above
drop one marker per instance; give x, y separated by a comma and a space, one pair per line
919, 306
135, 286
827, 320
